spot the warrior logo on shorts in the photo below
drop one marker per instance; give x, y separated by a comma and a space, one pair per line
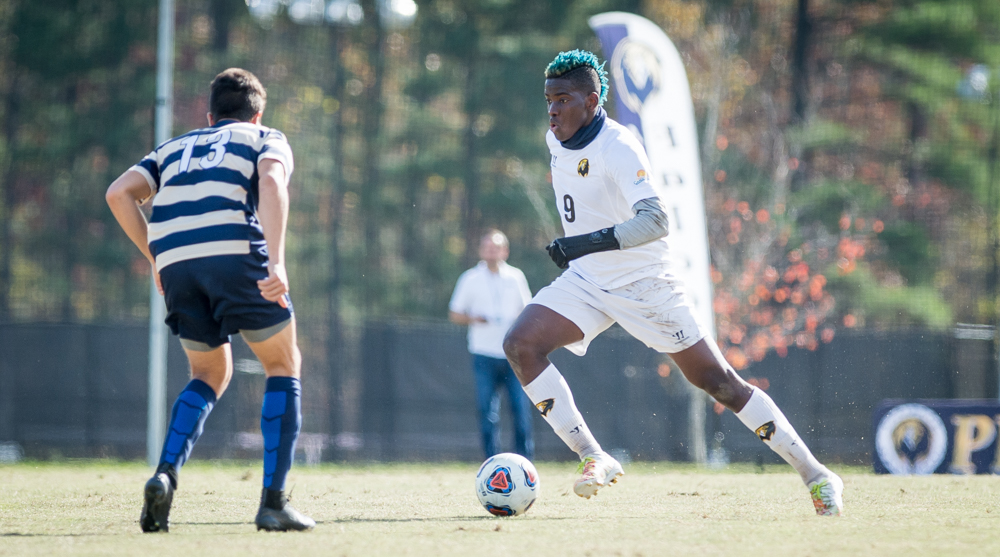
766, 431
545, 406
583, 168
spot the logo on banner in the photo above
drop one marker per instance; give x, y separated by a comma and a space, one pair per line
636, 71
911, 439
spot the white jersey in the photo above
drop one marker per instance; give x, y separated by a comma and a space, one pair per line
596, 188
497, 297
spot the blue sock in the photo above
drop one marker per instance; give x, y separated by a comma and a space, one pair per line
187, 420
280, 422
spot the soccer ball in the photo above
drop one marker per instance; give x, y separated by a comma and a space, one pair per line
507, 484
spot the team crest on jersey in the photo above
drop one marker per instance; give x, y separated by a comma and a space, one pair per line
545, 406
583, 168
766, 431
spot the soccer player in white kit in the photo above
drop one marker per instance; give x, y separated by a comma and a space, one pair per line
618, 269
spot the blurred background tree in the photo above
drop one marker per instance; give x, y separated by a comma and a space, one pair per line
849, 152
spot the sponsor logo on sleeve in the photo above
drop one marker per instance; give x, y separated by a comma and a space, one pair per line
640, 177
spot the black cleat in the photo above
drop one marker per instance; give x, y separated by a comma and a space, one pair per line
159, 494
276, 515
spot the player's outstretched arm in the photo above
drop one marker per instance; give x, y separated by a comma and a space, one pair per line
648, 224
123, 197
272, 212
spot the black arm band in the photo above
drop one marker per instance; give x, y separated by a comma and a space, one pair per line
564, 250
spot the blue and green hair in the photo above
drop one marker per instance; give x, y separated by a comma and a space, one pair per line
566, 62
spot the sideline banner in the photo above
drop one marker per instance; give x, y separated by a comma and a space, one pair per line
653, 99
943, 436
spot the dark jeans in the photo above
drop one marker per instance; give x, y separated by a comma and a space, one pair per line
491, 374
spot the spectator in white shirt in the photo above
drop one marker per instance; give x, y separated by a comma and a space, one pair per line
488, 298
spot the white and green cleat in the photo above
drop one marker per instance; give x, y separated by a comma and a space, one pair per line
596, 471
828, 495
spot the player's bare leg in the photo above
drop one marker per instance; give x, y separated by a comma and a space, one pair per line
537, 332
214, 367
704, 366
211, 370
281, 419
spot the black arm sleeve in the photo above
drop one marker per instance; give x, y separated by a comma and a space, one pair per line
564, 250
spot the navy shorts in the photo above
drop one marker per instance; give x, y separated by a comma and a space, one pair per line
210, 298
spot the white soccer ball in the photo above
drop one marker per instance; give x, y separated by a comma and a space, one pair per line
507, 484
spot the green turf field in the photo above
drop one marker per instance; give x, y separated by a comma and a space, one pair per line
92, 508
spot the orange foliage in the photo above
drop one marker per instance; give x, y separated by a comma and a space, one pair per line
769, 304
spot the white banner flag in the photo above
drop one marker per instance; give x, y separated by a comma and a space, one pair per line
652, 98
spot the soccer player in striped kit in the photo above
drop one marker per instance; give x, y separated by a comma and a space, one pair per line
618, 269
216, 241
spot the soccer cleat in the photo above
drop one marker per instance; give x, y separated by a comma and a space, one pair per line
596, 471
159, 494
828, 495
276, 515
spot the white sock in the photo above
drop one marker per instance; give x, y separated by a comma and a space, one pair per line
551, 395
764, 418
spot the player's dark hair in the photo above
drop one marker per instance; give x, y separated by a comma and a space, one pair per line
237, 94
583, 79
582, 69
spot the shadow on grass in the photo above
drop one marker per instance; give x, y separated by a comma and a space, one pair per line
76, 535
441, 519
474, 519
244, 523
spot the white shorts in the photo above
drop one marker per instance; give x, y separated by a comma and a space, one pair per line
654, 310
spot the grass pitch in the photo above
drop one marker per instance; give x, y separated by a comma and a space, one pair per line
92, 508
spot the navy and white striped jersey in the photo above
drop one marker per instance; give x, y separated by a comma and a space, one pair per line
204, 185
